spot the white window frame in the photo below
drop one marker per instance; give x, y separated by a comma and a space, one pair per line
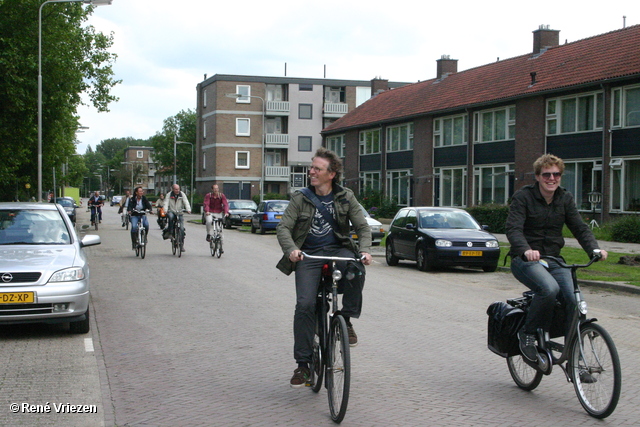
623, 185
400, 138
496, 133
238, 129
556, 116
372, 146
445, 174
370, 179
620, 117
397, 191
239, 156
245, 91
140, 154
496, 174
336, 144
439, 132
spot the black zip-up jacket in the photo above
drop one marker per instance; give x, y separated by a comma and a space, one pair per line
534, 224
133, 201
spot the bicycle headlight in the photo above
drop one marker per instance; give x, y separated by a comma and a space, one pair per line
582, 306
337, 275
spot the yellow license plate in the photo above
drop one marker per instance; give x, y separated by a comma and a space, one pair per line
470, 253
16, 297
246, 220
277, 216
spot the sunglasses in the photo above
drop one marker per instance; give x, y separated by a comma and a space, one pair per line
547, 175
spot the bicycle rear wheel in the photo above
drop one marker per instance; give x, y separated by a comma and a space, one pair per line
143, 245
174, 243
180, 239
338, 368
218, 248
526, 377
317, 363
596, 377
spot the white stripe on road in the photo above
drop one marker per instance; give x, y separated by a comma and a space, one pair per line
88, 345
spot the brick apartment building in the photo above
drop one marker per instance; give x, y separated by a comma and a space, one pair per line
470, 137
266, 137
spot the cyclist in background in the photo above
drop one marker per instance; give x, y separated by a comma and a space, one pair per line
124, 203
215, 207
97, 203
138, 203
176, 202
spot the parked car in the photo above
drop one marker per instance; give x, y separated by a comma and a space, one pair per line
268, 215
377, 229
45, 276
240, 212
435, 237
115, 200
69, 206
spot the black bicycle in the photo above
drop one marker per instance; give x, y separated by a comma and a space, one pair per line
177, 237
331, 357
588, 355
96, 214
215, 243
141, 240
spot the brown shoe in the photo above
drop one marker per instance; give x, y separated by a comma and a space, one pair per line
300, 377
353, 338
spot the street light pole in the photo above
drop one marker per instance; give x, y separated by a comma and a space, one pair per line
93, 2
263, 136
174, 164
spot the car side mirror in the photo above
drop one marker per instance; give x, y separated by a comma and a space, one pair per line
410, 227
485, 227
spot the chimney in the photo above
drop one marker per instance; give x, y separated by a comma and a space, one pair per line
544, 38
378, 85
446, 66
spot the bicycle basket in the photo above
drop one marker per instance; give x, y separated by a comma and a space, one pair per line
504, 323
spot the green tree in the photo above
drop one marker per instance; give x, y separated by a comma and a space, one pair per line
75, 60
182, 127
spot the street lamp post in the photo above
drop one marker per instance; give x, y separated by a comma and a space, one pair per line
174, 164
92, 2
262, 139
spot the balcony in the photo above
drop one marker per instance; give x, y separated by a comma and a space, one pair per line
332, 109
277, 140
277, 173
278, 108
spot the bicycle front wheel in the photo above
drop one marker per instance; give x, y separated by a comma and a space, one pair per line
143, 245
180, 239
218, 248
526, 377
595, 371
212, 247
338, 368
174, 244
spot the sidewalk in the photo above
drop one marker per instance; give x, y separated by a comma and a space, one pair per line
628, 248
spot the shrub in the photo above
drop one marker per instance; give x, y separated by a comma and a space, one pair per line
270, 196
493, 215
376, 204
626, 229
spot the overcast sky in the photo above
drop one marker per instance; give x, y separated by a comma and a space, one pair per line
165, 47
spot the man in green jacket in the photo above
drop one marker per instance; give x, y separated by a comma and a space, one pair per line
304, 228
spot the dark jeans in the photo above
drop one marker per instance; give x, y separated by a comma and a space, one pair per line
308, 273
547, 284
134, 223
172, 219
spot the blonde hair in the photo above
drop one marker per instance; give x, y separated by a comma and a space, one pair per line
547, 161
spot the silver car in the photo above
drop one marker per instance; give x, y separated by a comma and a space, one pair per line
44, 275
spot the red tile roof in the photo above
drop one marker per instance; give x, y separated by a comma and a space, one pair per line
596, 59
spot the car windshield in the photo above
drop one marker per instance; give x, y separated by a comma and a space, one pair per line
65, 202
32, 227
444, 219
240, 204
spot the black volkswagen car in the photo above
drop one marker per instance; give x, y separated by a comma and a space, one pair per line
437, 237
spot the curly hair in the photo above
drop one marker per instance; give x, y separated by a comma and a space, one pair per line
335, 164
547, 161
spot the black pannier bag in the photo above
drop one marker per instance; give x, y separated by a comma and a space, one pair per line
504, 323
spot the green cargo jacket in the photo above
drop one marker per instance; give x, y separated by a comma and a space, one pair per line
297, 218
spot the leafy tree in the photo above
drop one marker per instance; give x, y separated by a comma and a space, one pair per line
182, 127
75, 60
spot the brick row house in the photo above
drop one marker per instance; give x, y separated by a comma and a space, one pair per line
470, 137
256, 135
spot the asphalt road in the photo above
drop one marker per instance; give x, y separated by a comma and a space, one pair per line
198, 340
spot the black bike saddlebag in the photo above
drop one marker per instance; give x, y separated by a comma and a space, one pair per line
504, 323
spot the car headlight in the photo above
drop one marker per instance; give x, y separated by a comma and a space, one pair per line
492, 244
68, 275
443, 243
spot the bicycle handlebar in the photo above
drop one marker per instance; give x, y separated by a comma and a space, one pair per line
595, 257
332, 258
143, 212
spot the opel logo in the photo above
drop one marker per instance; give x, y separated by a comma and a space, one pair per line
7, 277
469, 244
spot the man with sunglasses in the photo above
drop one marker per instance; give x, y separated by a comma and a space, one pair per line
537, 215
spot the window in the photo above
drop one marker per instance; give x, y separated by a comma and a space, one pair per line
495, 125
492, 184
369, 142
243, 127
625, 191
274, 125
276, 93
334, 95
450, 130
245, 91
370, 181
305, 111
400, 138
304, 143
204, 98
575, 114
399, 186
140, 154
204, 161
204, 129
242, 159
336, 144
452, 187
305, 87
626, 107
581, 178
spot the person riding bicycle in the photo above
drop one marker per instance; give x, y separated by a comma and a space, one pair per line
176, 202
140, 204
305, 227
97, 203
215, 207
160, 203
124, 203
534, 225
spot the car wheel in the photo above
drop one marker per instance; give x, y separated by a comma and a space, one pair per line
227, 223
262, 230
392, 260
82, 326
253, 229
489, 268
423, 260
